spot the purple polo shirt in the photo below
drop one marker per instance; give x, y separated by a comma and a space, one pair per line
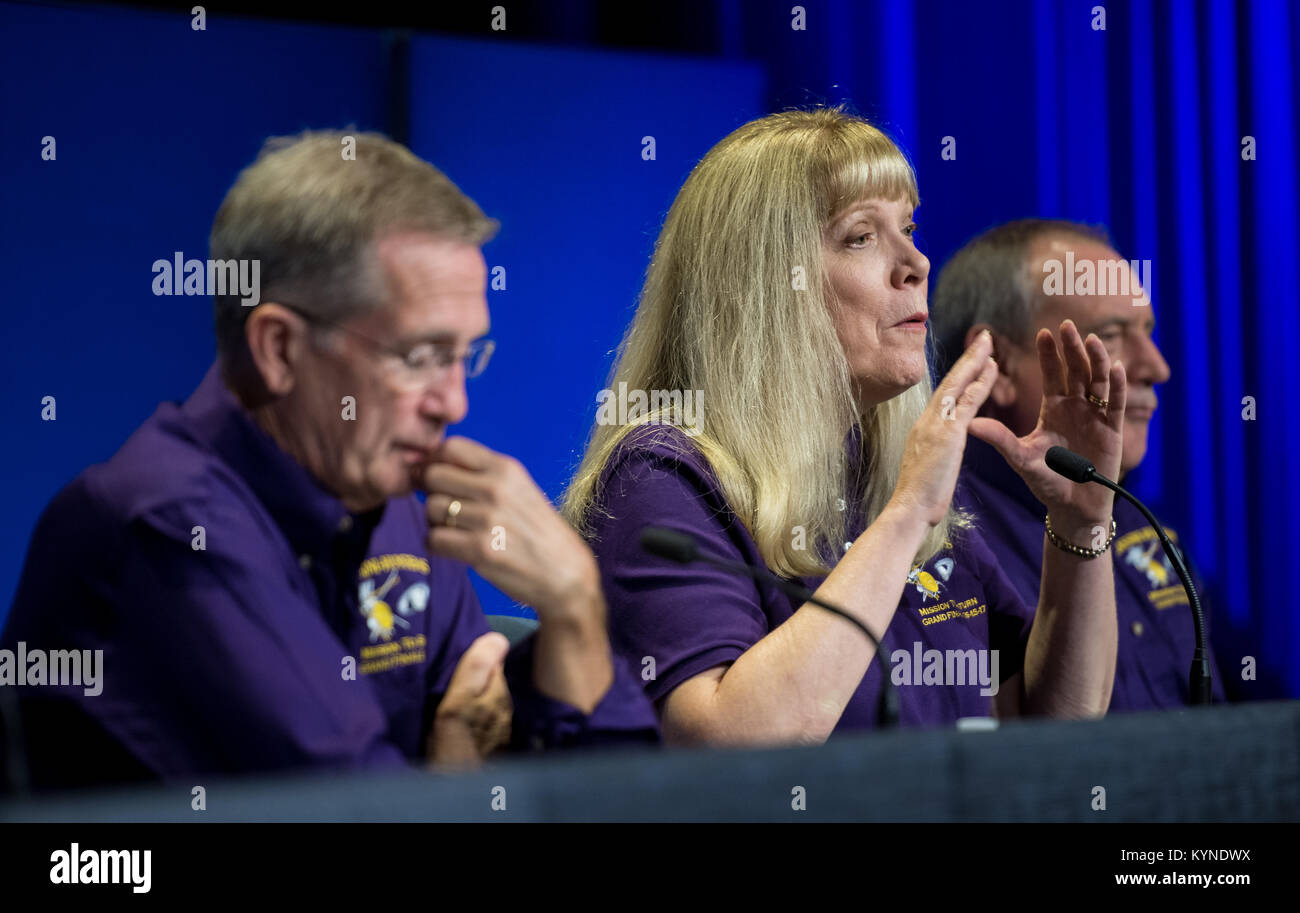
1156, 632
284, 633
679, 620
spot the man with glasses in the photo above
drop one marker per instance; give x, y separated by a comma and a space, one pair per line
268, 591
1006, 281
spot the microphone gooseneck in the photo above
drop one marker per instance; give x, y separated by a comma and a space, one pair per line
1076, 468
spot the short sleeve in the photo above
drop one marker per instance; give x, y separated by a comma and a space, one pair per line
672, 621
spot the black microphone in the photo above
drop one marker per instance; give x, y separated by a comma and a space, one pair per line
670, 544
683, 549
1069, 464
1077, 469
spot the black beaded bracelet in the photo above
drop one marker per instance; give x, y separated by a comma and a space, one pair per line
1074, 549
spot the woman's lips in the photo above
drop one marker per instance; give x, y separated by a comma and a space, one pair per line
914, 322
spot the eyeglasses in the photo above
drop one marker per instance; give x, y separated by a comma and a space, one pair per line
425, 364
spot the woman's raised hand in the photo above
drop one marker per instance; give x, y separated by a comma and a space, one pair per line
1084, 396
932, 455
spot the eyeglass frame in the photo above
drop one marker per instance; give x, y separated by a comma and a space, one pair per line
485, 346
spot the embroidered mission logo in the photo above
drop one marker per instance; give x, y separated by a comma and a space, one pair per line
933, 584
1141, 551
386, 602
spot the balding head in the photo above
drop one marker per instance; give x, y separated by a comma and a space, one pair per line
1006, 279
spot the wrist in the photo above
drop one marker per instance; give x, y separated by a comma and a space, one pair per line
576, 602
580, 625
1078, 526
572, 662
904, 520
1095, 543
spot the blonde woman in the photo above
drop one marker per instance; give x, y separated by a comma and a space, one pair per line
787, 297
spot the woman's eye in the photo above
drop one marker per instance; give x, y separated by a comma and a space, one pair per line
859, 239
910, 230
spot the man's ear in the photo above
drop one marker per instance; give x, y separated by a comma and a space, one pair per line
277, 340
1003, 394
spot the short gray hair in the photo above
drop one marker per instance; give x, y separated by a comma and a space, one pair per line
988, 281
311, 217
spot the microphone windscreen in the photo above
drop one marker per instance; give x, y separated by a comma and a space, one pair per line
1069, 464
668, 543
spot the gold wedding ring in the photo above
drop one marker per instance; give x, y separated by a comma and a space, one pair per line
1102, 404
453, 511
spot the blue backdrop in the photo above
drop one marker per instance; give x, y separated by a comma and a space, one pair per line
1139, 125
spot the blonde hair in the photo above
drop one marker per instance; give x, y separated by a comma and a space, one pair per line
719, 312
311, 216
